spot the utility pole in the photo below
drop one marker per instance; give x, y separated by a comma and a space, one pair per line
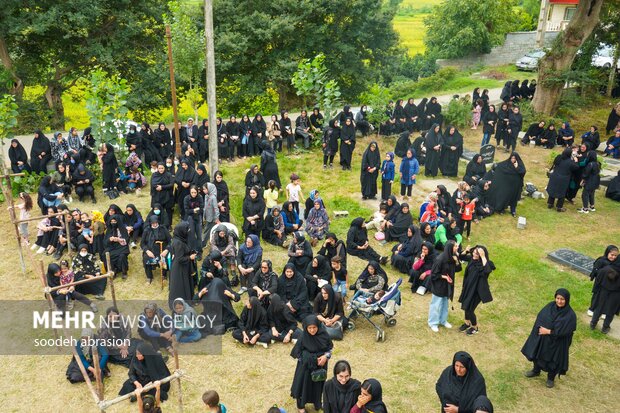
213, 154
173, 91
542, 23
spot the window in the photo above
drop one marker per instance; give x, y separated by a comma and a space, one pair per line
569, 12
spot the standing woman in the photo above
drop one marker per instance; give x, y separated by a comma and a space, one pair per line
259, 134
253, 212
552, 334
347, 143
162, 187
507, 184
451, 151
183, 265
563, 166
400, 116
116, 242
222, 196
247, 141
371, 162
442, 285
432, 143
269, 164
287, 131
329, 142
409, 169
422, 121
40, 152
233, 130
193, 206
515, 123
185, 178
162, 139
489, 122
475, 286
18, 157
502, 125
275, 134
590, 181
341, 391
312, 351
460, 385
108, 166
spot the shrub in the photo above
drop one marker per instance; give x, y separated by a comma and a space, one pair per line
458, 113
432, 83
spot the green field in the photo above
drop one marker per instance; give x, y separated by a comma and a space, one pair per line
409, 23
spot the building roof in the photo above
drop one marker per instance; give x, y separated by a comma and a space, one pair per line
564, 1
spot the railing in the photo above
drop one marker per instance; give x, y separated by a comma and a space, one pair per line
557, 26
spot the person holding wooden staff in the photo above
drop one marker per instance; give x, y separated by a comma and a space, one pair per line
154, 244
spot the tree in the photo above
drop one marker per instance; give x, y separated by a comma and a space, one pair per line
106, 104
376, 98
554, 67
457, 28
259, 42
54, 43
311, 80
188, 46
8, 121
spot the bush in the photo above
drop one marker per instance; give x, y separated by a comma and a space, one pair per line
28, 183
432, 83
458, 113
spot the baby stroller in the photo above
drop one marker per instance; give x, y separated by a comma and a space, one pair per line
388, 306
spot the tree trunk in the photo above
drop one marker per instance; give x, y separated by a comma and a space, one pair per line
18, 85
560, 58
612, 73
53, 95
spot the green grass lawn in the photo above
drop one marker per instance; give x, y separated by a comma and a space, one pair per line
410, 361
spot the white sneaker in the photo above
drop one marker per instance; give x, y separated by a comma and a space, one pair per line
263, 344
34, 247
590, 313
41, 250
592, 209
583, 210
421, 290
435, 329
133, 244
603, 317
447, 325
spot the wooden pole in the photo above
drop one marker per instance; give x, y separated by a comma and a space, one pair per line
40, 217
50, 301
8, 195
109, 267
68, 235
173, 91
161, 264
84, 281
211, 104
98, 372
104, 404
83, 370
176, 366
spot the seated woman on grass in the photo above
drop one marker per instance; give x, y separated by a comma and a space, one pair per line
185, 322
253, 327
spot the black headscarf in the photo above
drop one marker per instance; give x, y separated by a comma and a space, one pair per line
461, 391
402, 144
152, 365
202, 179
375, 405
327, 308
315, 344
340, 397
40, 144
181, 232
18, 153
255, 315
483, 404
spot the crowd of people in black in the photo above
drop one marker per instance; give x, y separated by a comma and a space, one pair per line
189, 222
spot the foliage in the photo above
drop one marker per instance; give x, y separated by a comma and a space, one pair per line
458, 28
414, 67
432, 83
458, 113
8, 116
55, 43
311, 81
233, 98
260, 42
106, 104
28, 183
376, 98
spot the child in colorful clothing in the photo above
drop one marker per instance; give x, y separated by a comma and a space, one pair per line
340, 277
387, 176
467, 213
212, 400
136, 180
271, 196
293, 191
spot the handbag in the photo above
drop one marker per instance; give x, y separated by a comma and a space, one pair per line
380, 236
318, 375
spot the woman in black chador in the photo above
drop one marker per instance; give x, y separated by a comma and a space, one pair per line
549, 342
357, 242
460, 385
475, 285
312, 351
475, 170
403, 143
371, 162
40, 152
432, 143
268, 164
183, 265
451, 151
341, 392
347, 143
507, 183
147, 366
559, 180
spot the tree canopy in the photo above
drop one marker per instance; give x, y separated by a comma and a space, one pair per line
457, 28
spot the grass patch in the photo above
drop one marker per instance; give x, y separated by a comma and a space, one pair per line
412, 357
411, 31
